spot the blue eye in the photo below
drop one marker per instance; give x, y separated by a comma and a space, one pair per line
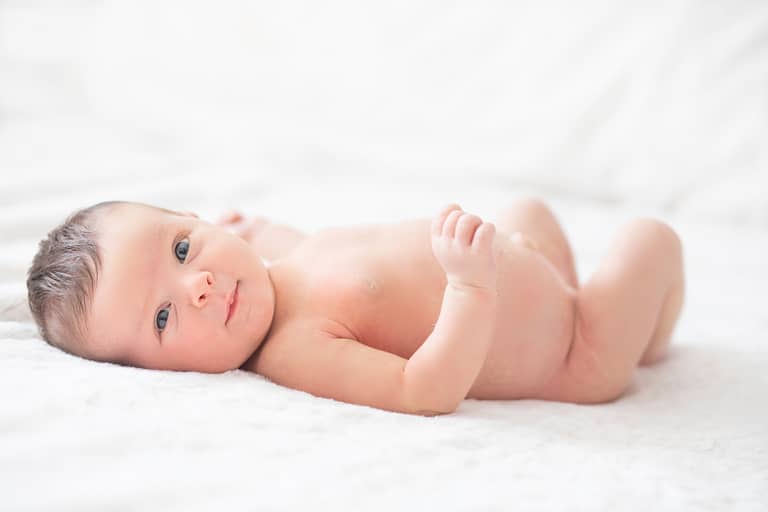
161, 319
181, 249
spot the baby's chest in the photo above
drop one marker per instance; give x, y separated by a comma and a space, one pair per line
389, 302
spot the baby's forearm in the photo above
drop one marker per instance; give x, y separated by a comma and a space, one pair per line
441, 372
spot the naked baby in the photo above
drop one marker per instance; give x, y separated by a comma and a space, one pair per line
411, 317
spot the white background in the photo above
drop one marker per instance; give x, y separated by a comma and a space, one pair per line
660, 102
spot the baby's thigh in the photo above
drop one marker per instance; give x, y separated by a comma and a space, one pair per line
534, 325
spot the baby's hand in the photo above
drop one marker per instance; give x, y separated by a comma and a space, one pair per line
236, 223
463, 244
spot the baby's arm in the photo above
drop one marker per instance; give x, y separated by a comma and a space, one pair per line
271, 240
441, 372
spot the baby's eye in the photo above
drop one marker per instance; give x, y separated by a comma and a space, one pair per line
161, 319
181, 249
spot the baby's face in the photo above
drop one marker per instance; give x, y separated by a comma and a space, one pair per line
163, 294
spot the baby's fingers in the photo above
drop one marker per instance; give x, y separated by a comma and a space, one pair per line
466, 227
484, 237
439, 221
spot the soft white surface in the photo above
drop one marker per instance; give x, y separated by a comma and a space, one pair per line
347, 114
690, 435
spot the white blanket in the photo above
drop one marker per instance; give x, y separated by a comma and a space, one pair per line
691, 433
329, 116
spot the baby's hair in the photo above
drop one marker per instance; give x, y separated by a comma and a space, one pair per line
62, 279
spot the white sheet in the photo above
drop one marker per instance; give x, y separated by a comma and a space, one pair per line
691, 433
656, 110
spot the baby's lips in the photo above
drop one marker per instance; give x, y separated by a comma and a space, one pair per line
229, 300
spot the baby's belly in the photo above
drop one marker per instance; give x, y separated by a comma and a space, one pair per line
534, 325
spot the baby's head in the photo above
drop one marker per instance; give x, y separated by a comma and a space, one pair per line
149, 287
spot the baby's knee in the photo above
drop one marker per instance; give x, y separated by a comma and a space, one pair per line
658, 233
532, 205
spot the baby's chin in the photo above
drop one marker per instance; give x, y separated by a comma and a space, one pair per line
224, 362
218, 366
231, 360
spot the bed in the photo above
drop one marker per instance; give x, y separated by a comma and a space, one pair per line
353, 114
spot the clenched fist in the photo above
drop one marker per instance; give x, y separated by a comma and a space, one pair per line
463, 245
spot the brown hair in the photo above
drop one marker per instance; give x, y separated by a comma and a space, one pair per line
62, 279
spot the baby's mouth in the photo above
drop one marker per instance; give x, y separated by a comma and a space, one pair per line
232, 303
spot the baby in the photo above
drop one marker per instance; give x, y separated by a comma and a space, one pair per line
410, 317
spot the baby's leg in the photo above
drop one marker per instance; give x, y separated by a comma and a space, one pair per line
535, 220
625, 314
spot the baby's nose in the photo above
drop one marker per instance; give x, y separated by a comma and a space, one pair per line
199, 287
